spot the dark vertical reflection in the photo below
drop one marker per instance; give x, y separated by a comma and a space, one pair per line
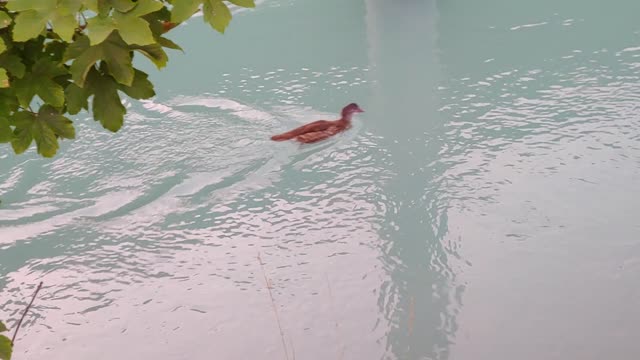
418, 301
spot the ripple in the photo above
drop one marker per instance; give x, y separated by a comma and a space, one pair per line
183, 199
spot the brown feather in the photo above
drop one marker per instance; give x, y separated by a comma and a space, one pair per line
311, 127
321, 129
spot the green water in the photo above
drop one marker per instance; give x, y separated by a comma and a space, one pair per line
485, 206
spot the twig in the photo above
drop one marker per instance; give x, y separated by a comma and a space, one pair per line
293, 349
83, 17
15, 333
412, 314
335, 318
81, 26
275, 310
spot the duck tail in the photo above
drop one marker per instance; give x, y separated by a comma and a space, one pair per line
283, 137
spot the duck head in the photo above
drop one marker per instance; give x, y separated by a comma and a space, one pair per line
351, 109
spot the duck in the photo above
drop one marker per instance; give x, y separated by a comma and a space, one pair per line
321, 129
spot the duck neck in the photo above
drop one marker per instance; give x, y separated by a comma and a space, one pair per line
346, 117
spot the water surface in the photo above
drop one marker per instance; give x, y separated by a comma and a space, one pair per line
484, 207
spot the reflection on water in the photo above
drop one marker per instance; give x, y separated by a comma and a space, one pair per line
482, 207
542, 148
420, 299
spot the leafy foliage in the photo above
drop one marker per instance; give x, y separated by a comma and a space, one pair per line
58, 57
5, 344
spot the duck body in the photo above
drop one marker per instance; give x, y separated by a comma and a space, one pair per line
321, 129
315, 131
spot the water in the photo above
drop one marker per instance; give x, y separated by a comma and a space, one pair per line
484, 207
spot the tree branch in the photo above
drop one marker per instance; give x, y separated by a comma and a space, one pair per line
15, 333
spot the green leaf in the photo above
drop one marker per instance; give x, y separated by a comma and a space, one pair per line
164, 42
4, 79
91, 5
24, 5
72, 6
157, 17
5, 20
184, 9
46, 67
141, 88
164, 14
104, 7
113, 51
123, 5
8, 102
60, 125
107, 107
145, 7
22, 119
5, 348
244, 3
46, 141
135, 7
76, 48
29, 24
25, 90
56, 49
6, 134
44, 127
3, 45
3, 327
156, 21
64, 25
40, 82
12, 63
217, 14
98, 28
33, 16
134, 30
22, 136
155, 53
63, 22
76, 98
32, 49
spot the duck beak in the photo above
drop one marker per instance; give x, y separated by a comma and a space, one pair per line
359, 110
